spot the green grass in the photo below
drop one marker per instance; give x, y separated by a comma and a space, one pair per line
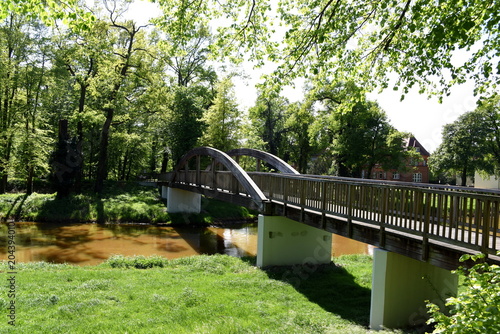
200, 294
121, 202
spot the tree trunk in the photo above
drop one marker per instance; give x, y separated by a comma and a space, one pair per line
29, 181
152, 161
102, 162
123, 171
164, 162
464, 177
79, 133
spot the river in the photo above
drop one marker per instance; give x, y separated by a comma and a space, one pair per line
90, 244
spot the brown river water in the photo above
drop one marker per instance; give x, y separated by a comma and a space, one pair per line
90, 244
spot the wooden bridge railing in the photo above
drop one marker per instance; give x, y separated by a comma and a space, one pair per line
466, 218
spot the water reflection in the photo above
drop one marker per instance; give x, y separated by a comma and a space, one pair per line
89, 244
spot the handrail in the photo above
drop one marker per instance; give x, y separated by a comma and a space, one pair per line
220, 157
494, 192
271, 159
464, 219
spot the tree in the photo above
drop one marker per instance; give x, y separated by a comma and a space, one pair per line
24, 133
363, 138
489, 118
462, 149
14, 45
267, 124
297, 125
185, 125
123, 66
222, 119
362, 41
357, 136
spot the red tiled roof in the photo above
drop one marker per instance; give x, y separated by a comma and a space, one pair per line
413, 142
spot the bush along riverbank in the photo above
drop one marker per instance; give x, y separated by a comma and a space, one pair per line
199, 294
121, 202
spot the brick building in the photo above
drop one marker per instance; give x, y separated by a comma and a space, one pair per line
417, 170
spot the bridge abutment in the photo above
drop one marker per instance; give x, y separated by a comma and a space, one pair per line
401, 286
282, 241
182, 201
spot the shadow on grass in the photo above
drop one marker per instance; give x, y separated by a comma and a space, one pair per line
67, 210
18, 207
330, 286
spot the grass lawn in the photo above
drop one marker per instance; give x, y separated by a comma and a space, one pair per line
121, 202
200, 294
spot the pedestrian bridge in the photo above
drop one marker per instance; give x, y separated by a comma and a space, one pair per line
431, 224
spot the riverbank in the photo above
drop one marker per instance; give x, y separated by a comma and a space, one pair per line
199, 294
120, 203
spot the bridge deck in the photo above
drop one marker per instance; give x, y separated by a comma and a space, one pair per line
431, 223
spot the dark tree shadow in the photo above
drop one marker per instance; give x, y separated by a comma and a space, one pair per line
18, 208
330, 286
101, 216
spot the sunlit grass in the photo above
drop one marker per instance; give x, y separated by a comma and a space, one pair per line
200, 294
121, 202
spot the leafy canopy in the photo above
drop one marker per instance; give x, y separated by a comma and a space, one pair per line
363, 41
420, 42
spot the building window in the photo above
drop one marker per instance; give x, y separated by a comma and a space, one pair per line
417, 177
417, 149
380, 175
395, 176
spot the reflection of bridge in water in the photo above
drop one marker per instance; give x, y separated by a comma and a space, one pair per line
432, 224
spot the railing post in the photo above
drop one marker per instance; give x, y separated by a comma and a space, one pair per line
425, 236
302, 199
383, 218
214, 175
186, 173
349, 209
285, 194
323, 204
486, 228
198, 170
237, 184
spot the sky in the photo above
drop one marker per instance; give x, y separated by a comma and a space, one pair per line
417, 114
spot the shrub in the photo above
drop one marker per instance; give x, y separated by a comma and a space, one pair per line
138, 262
476, 309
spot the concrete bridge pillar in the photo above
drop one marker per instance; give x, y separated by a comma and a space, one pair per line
182, 201
401, 286
282, 241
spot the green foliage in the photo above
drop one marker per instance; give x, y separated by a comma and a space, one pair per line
366, 42
121, 202
356, 135
138, 262
489, 115
470, 143
476, 309
185, 125
299, 118
266, 128
222, 119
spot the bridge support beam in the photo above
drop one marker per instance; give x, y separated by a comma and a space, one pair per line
282, 241
400, 288
181, 201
